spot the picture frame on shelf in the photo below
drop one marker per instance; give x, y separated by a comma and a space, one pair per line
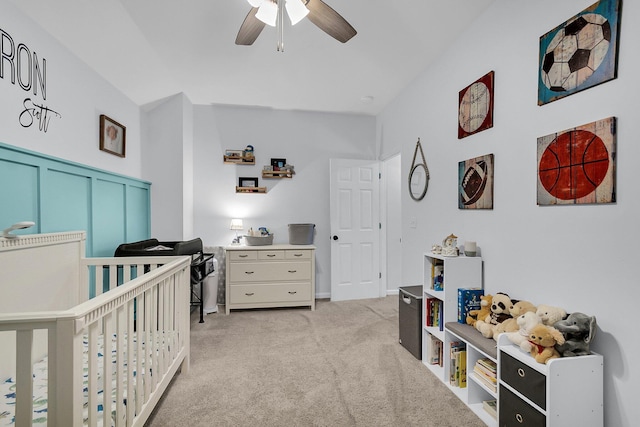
278, 163
250, 182
234, 154
112, 136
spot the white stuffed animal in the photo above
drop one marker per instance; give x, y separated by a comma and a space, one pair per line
526, 322
550, 315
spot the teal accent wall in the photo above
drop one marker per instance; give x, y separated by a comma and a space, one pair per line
59, 195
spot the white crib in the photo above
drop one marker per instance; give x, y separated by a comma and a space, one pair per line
108, 356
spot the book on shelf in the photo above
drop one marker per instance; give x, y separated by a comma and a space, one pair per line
437, 277
486, 381
457, 364
468, 299
434, 350
433, 313
488, 364
491, 406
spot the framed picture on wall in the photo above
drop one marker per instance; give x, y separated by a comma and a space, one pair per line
580, 53
475, 183
577, 166
475, 106
247, 182
278, 163
112, 136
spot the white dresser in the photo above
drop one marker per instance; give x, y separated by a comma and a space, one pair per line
270, 276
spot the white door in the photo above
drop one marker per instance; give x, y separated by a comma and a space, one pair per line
355, 229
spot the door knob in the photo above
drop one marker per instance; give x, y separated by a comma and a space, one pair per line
335, 237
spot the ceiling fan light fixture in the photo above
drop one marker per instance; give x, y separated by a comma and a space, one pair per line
255, 3
296, 10
268, 12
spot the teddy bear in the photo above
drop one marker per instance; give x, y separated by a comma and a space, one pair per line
499, 313
510, 325
485, 309
578, 330
550, 315
526, 322
543, 340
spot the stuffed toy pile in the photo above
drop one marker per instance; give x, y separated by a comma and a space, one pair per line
546, 332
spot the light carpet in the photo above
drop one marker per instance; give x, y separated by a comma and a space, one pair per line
340, 365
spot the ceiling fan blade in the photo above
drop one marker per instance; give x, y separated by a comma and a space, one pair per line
250, 29
330, 21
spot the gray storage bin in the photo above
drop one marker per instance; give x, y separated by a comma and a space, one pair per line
410, 319
259, 240
301, 234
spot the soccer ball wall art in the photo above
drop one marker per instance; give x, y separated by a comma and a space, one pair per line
579, 53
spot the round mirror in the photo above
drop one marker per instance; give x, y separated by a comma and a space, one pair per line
418, 181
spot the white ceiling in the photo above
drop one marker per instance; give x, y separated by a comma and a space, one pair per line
151, 49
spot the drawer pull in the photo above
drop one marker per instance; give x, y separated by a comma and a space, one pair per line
521, 372
519, 418
297, 254
242, 256
248, 272
292, 271
293, 292
248, 294
271, 255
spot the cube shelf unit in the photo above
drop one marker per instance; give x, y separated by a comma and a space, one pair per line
458, 272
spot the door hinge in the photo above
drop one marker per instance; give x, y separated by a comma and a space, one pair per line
379, 226
379, 275
379, 175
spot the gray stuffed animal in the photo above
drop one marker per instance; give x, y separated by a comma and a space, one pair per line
579, 330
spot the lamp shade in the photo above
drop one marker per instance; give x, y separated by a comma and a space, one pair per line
236, 224
255, 3
296, 11
268, 12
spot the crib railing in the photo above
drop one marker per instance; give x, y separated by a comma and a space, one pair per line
141, 319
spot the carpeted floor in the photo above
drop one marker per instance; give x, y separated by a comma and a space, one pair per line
340, 365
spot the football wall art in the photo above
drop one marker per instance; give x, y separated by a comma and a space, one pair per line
475, 183
579, 53
475, 106
577, 166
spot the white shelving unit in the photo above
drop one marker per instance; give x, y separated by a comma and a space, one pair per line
459, 272
533, 393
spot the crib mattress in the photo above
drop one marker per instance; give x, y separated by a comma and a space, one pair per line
8, 389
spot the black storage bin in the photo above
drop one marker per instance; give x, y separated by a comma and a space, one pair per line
410, 319
153, 247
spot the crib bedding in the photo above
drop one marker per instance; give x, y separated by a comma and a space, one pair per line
8, 387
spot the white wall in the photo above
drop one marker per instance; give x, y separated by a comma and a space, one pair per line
577, 257
307, 140
74, 91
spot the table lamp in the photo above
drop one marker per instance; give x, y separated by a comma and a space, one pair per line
236, 224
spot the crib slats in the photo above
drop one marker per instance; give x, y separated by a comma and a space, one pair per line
24, 373
92, 387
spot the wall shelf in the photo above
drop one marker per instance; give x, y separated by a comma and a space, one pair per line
251, 189
277, 174
235, 160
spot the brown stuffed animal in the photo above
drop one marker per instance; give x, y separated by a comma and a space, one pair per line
485, 310
543, 339
511, 325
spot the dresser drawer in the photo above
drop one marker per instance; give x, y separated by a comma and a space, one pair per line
524, 379
270, 293
298, 254
242, 255
269, 271
267, 255
515, 412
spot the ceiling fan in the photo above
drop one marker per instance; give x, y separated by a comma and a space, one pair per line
271, 12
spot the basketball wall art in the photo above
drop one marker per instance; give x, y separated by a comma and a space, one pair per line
475, 106
579, 53
577, 166
475, 183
